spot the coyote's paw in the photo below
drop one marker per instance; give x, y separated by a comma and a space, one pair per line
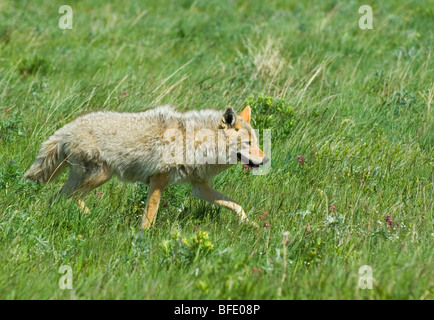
253, 224
83, 207
146, 225
249, 222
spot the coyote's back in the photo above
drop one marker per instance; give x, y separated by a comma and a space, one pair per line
125, 144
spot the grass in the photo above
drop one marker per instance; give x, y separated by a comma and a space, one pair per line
354, 104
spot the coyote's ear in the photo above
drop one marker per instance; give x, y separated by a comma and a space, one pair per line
245, 115
229, 116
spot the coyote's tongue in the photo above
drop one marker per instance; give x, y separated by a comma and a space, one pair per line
247, 162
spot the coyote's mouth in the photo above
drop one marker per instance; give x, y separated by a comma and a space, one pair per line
247, 161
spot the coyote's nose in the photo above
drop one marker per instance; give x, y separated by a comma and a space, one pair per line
265, 160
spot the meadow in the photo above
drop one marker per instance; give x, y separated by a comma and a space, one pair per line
351, 179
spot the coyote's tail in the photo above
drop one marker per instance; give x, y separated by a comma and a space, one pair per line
49, 162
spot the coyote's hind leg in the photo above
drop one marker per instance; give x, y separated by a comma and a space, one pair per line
81, 181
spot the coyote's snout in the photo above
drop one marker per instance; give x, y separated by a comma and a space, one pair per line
157, 147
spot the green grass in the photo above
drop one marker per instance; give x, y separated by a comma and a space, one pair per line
356, 103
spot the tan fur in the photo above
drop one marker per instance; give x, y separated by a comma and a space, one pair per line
156, 187
245, 114
133, 146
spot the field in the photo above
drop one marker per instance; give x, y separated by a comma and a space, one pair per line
351, 179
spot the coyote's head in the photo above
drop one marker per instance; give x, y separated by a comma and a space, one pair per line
241, 138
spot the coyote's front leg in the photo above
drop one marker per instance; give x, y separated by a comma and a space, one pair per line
156, 187
203, 190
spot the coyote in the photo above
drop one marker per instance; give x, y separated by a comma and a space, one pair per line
157, 147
